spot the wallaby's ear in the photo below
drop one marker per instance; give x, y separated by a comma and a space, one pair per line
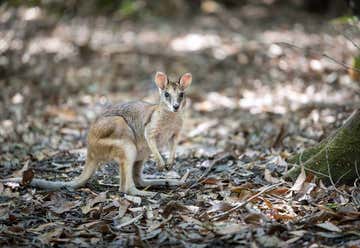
185, 80
161, 80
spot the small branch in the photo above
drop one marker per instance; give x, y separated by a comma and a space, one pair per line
241, 204
207, 171
346, 66
129, 222
162, 223
297, 167
351, 40
356, 187
213, 163
107, 184
316, 172
300, 157
342, 176
357, 170
329, 172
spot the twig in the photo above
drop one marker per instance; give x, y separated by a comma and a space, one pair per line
300, 157
356, 169
241, 204
308, 169
129, 222
329, 172
108, 184
143, 242
342, 176
346, 66
213, 163
156, 226
351, 40
353, 192
316, 172
202, 177
207, 171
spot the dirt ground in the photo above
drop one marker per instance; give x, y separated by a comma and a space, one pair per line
252, 103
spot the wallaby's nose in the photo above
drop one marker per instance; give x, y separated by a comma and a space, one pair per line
176, 106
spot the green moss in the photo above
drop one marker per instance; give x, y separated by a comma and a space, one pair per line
340, 154
305, 155
356, 62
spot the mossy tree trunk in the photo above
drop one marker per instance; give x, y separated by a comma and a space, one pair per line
337, 157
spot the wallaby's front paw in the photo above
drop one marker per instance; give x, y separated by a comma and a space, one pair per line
160, 165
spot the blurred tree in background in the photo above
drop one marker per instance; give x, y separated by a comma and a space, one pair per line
173, 7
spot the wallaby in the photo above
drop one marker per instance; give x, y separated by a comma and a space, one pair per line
128, 133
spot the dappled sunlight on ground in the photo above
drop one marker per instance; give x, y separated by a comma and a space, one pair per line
81, 64
252, 97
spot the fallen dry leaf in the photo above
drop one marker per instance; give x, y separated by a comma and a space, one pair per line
269, 178
123, 206
221, 207
65, 206
27, 177
279, 191
134, 199
173, 206
299, 181
226, 228
329, 226
99, 198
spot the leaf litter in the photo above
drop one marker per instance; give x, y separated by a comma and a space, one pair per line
231, 155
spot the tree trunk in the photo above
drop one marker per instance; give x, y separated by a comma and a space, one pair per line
336, 158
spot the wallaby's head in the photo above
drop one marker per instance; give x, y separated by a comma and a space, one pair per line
172, 94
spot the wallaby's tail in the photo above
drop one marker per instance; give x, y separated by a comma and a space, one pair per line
42, 183
77, 182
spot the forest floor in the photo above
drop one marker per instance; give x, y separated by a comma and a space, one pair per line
253, 102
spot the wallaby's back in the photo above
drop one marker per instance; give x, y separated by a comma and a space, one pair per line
136, 114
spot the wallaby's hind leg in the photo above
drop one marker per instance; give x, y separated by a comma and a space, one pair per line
89, 168
140, 181
126, 158
137, 171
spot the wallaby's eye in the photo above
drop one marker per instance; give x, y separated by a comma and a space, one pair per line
181, 94
167, 95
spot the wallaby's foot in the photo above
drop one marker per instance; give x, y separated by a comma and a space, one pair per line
160, 164
135, 191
